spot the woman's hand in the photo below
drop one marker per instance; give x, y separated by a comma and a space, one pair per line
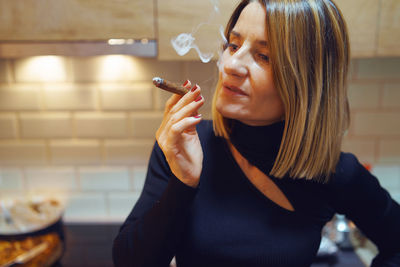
177, 135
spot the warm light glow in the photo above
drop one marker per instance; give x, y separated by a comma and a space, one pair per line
44, 69
116, 41
120, 41
115, 68
144, 41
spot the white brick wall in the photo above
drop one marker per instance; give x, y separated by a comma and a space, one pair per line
20, 97
5, 71
127, 96
75, 152
391, 96
8, 126
104, 179
11, 179
83, 128
69, 96
49, 178
96, 124
23, 152
45, 125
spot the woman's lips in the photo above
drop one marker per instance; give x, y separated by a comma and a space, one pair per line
234, 90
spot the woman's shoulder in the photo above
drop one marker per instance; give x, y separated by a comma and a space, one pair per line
349, 170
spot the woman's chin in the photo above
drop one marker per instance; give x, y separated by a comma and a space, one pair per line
229, 111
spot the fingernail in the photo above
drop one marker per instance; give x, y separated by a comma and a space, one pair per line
197, 116
194, 88
198, 98
185, 83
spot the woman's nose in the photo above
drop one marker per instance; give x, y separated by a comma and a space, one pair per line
236, 64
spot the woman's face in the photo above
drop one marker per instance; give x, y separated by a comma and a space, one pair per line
247, 90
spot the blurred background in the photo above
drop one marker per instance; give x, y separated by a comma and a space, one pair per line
78, 111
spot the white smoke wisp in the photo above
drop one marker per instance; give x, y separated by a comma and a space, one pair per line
186, 41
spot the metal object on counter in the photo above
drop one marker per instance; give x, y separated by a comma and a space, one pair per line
27, 256
340, 230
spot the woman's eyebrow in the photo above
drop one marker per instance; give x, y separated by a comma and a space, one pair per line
260, 42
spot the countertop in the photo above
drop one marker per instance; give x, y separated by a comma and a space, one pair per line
89, 245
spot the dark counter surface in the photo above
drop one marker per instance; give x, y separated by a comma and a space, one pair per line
89, 245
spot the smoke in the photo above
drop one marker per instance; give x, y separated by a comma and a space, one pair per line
184, 42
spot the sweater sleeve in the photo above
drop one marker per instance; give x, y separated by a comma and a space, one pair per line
151, 233
361, 198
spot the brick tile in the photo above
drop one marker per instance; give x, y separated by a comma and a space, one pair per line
363, 149
389, 151
104, 178
121, 204
11, 179
8, 126
85, 207
128, 151
43, 69
388, 176
139, 177
70, 97
145, 125
391, 95
26, 152
120, 68
76, 152
100, 125
20, 97
376, 123
363, 95
5, 71
45, 125
378, 68
136, 96
51, 178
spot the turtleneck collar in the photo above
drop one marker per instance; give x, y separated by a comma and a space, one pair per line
258, 144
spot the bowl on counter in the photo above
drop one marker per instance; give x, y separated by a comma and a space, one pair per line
31, 232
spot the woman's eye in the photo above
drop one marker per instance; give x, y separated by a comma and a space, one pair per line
264, 57
232, 47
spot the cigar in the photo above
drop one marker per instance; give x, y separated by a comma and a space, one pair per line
169, 86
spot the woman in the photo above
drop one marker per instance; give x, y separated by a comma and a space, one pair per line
255, 186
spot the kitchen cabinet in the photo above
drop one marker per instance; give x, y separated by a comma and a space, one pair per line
76, 20
372, 26
362, 22
389, 28
189, 16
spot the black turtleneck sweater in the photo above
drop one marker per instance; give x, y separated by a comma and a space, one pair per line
227, 221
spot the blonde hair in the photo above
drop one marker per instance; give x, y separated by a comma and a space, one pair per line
309, 47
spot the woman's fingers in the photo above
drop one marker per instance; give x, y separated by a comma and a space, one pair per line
183, 125
180, 107
186, 111
175, 98
192, 95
